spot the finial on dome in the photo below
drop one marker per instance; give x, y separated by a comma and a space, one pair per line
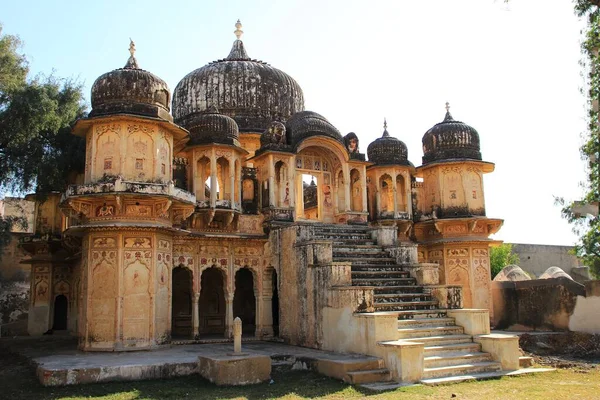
238, 30
132, 62
448, 116
385, 132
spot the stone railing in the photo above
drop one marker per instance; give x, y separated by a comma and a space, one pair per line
121, 186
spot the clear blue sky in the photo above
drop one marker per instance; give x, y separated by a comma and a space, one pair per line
512, 72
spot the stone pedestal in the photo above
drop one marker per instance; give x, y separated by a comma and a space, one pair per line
235, 370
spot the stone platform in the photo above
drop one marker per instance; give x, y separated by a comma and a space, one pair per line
59, 363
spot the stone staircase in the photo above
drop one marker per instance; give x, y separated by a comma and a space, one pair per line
448, 351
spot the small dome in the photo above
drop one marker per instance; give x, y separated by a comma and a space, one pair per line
212, 127
449, 140
511, 273
388, 150
130, 90
555, 272
250, 91
305, 124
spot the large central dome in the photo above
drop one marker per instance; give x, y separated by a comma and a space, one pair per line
251, 92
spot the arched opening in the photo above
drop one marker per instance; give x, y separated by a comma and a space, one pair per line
275, 304
310, 196
386, 195
212, 302
341, 193
355, 191
61, 308
202, 186
223, 179
244, 302
282, 187
181, 305
401, 194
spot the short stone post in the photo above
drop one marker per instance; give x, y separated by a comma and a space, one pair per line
237, 335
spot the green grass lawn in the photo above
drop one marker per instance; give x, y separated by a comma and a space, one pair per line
17, 381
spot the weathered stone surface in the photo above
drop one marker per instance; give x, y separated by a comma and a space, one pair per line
235, 370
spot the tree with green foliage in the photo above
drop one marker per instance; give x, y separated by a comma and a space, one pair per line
500, 257
37, 150
586, 225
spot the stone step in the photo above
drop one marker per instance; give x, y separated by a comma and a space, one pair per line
423, 322
367, 247
345, 228
461, 369
359, 253
377, 267
367, 260
405, 305
368, 376
442, 339
380, 274
479, 376
418, 314
385, 297
348, 242
441, 349
455, 359
399, 289
383, 281
347, 235
406, 333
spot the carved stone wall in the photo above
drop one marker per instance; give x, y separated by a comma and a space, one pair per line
126, 290
135, 150
466, 264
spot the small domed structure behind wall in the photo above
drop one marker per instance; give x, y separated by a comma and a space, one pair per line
512, 273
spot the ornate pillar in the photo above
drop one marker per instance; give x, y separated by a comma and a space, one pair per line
346, 172
395, 192
195, 315
271, 182
229, 315
267, 315
213, 180
408, 193
258, 321
364, 189
232, 197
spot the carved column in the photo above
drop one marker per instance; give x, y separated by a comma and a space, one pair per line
395, 192
364, 189
267, 315
229, 316
346, 172
271, 182
195, 315
258, 321
408, 194
232, 197
213, 180
290, 182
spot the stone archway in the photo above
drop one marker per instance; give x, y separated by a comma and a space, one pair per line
244, 301
211, 307
181, 306
316, 169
